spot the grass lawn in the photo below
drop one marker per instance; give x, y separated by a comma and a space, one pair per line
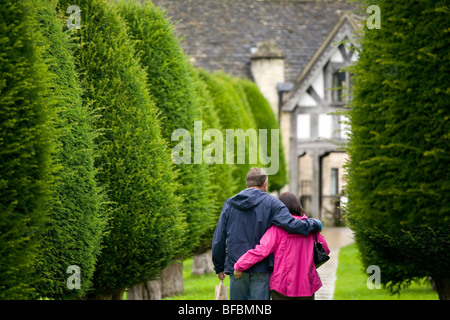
351, 282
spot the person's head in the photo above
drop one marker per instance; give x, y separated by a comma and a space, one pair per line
292, 203
257, 178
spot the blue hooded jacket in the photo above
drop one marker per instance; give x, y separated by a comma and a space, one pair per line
244, 219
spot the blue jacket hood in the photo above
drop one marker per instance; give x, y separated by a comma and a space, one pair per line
248, 198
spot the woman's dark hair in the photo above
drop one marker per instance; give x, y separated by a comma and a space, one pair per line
291, 201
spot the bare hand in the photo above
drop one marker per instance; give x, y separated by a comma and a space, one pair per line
237, 274
221, 275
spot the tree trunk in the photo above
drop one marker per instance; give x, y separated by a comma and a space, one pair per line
442, 287
118, 295
202, 263
171, 283
172, 280
149, 290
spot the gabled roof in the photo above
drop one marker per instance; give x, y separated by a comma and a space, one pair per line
220, 34
343, 29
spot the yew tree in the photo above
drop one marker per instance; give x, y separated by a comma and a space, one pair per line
398, 172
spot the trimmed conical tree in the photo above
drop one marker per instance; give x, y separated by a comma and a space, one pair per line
398, 176
169, 75
222, 174
265, 119
146, 227
76, 220
27, 142
231, 104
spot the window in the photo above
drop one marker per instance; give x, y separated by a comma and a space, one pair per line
338, 85
325, 126
303, 126
334, 182
305, 187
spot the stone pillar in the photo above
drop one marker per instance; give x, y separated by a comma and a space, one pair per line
285, 128
293, 156
316, 185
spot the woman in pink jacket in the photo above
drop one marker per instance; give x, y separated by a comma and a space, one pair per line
294, 275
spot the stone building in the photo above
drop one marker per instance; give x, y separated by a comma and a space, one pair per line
293, 51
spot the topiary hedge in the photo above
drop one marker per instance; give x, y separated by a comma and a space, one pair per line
146, 227
169, 75
265, 119
233, 113
398, 177
27, 143
221, 173
76, 220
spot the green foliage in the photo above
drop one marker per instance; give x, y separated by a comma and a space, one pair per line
234, 113
265, 119
170, 77
398, 177
27, 142
146, 227
221, 174
76, 219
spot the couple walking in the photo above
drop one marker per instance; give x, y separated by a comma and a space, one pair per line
257, 233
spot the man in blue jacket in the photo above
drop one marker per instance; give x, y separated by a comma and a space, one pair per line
244, 219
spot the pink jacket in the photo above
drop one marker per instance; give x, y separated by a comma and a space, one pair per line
294, 273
